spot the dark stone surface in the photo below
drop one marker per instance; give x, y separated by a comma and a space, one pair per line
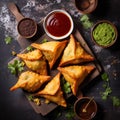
14, 105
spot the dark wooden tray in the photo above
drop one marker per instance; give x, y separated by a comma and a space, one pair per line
44, 109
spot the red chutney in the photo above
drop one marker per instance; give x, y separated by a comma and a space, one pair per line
58, 24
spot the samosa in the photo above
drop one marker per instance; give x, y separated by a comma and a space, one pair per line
32, 55
51, 50
75, 75
53, 92
30, 81
74, 53
39, 66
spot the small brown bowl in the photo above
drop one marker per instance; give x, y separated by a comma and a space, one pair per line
104, 33
91, 108
86, 6
27, 27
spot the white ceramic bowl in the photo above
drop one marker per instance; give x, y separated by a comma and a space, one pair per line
58, 24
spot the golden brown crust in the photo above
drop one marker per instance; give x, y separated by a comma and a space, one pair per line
74, 54
53, 92
30, 81
38, 66
75, 75
32, 55
51, 50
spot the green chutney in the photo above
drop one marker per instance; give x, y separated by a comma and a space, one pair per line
104, 34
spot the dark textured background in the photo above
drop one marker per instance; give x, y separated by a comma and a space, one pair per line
14, 105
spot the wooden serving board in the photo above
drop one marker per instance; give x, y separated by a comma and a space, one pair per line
44, 109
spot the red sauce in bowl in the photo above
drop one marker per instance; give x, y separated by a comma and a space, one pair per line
58, 24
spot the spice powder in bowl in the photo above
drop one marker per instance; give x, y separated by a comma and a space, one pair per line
104, 33
27, 28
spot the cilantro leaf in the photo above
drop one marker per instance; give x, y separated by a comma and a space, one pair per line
104, 77
70, 114
8, 40
116, 101
106, 93
29, 48
86, 21
16, 66
44, 40
66, 86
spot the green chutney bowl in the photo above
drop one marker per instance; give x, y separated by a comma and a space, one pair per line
104, 33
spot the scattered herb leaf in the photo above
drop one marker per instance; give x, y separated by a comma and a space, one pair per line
8, 40
44, 40
86, 21
104, 77
108, 90
16, 67
70, 114
30, 97
29, 48
66, 86
106, 93
116, 101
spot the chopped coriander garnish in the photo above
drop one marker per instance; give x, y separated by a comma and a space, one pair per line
16, 67
29, 48
8, 40
44, 40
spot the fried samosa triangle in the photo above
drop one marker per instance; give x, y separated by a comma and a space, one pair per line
51, 50
30, 81
53, 92
32, 55
74, 54
39, 66
75, 75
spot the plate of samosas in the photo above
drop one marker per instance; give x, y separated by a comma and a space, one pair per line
51, 61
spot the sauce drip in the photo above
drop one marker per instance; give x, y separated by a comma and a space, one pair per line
58, 24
